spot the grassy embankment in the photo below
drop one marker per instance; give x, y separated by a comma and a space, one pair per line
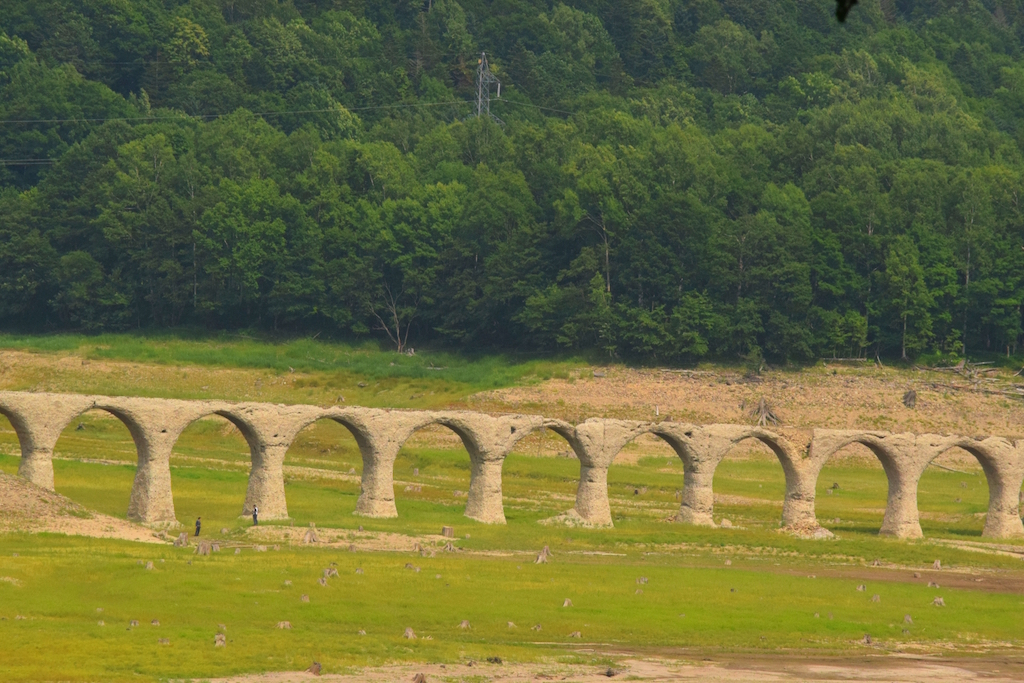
59, 583
242, 368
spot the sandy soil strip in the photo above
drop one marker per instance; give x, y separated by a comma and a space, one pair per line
767, 670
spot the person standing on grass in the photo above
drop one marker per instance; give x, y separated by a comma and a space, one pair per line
255, 513
199, 523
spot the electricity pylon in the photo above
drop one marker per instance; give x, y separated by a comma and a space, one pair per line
484, 81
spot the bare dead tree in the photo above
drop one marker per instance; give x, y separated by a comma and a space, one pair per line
389, 315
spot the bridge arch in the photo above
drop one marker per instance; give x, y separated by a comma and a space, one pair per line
1002, 465
900, 458
703, 448
94, 460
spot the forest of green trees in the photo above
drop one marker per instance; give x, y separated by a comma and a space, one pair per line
661, 180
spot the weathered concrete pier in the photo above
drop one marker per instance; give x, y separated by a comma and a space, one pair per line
269, 429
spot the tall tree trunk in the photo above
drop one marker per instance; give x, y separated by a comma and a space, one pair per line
904, 351
607, 261
967, 293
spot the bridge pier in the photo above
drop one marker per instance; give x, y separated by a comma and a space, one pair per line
269, 430
155, 426
596, 442
380, 435
1005, 473
489, 440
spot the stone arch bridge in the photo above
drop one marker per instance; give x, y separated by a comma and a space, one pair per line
155, 425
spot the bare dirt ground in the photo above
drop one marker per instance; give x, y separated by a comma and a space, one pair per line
839, 397
851, 398
26, 507
739, 669
353, 540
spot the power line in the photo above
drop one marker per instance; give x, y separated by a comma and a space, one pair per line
481, 105
217, 116
27, 162
537, 106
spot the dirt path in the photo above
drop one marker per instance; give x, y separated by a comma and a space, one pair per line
739, 669
988, 582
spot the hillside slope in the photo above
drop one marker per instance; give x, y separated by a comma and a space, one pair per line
26, 507
665, 180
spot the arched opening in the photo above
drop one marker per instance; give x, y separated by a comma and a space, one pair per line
540, 477
952, 495
645, 480
210, 465
750, 485
94, 462
10, 447
432, 475
322, 471
852, 491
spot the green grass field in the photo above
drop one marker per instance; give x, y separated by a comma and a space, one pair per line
685, 603
777, 594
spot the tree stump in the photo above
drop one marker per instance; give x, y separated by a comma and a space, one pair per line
910, 398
